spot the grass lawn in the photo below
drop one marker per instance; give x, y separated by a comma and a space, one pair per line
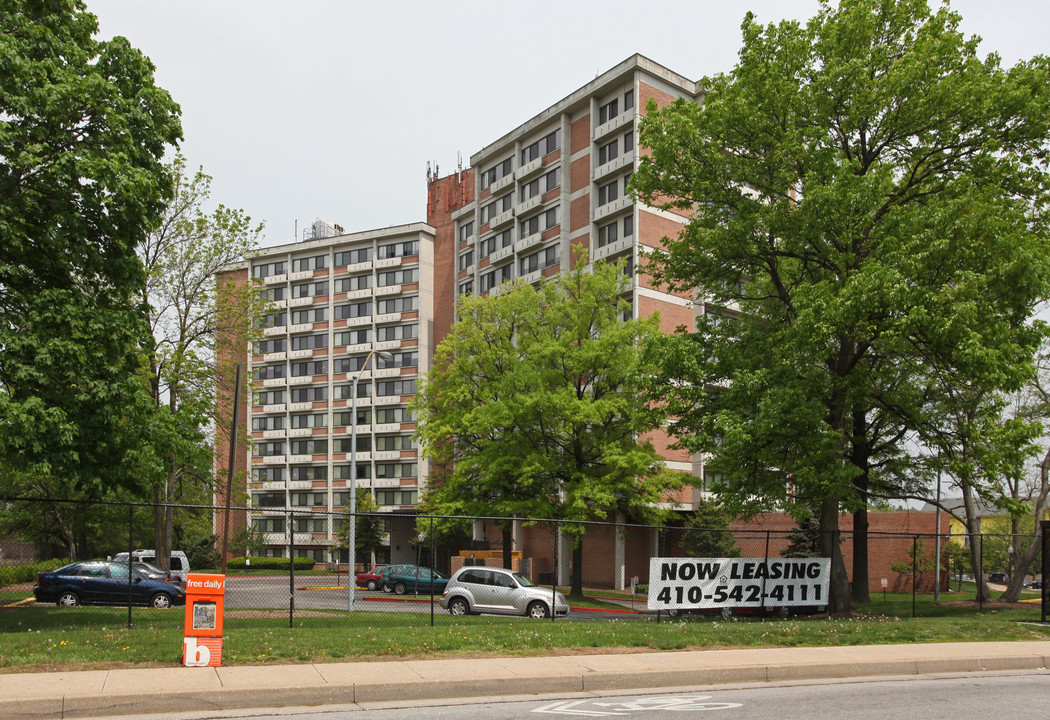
37, 638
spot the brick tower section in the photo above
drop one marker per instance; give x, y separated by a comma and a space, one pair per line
444, 197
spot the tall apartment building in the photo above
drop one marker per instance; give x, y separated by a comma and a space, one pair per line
554, 186
337, 302
527, 206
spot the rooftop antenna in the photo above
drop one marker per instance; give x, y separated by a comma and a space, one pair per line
429, 175
459, 156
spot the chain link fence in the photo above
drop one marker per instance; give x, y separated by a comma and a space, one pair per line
291, 563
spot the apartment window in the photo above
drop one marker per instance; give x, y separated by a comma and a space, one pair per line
265, 347
310, 420
353, 257
310, 525
608, 192
342, 445
396, 470
317, 262
309, 447
268, 474
389, 416
390, 443
628, 226
466, 260
269, 524
608, 111
494, 277
398, 277
273, 294
540, 148
268, 269
538, 223
352, 337
628, 141
386, 388
398, 332
268, 449
270, 499
353, 310
608, 234
357, 282
395, 497
342, 472
405, 359
409, 303
466, 288
309, 499
541, 259
310, 394
311, 289
277, 319
466, 231
541, 185
496, 242
269, 372
314, 367
628, 100
310, 315
496, 207
343, 418
497, 172
269, 397
350, 364
269, 422
344, 392
401, 249
310, 342
608, 151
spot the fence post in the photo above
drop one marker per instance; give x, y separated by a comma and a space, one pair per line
554, 574
131, 557
291, 570
914, 571
433, 569
1044, 591
764, 577
978, 573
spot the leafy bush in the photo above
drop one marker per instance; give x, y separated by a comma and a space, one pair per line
27, 573
270, 563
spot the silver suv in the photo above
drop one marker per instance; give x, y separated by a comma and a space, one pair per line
475, 589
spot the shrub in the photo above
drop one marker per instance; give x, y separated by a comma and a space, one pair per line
270, 563
27, 573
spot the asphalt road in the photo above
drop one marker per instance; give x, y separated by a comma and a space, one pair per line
325, 592
967, 698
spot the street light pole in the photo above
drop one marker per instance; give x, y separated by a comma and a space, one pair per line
351, 569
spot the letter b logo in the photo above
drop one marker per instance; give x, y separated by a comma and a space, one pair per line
194, 655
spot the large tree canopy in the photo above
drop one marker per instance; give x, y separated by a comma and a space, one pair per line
869, 199
83, 130
534, 407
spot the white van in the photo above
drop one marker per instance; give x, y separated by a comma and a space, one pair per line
180, 565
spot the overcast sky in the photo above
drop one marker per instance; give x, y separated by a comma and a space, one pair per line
332, 108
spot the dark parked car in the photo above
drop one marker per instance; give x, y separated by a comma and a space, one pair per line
415, 580
373, 580
999, 578
104, 583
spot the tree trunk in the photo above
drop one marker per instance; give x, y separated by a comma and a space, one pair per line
839, 600
973, 530
861, 593
577, 568
508, 539
1013, 590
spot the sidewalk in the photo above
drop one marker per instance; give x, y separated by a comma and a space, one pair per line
203, 691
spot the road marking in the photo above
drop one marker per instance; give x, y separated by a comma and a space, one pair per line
673, 703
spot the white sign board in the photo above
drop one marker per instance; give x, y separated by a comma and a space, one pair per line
685, 583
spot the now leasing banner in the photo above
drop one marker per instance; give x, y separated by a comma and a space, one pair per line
689, 583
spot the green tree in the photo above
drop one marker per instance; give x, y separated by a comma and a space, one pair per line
83, 130
368, 534
868, 193
183, 257
534, 406
707, 534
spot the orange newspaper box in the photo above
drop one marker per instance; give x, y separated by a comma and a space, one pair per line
202, 630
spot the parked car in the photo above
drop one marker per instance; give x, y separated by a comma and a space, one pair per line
103, 582
155, 573
473, 590
999, 578
180, 564
1036, 584
415, 580
373, 579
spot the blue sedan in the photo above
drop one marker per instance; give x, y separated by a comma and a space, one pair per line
416, 580
98, 582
